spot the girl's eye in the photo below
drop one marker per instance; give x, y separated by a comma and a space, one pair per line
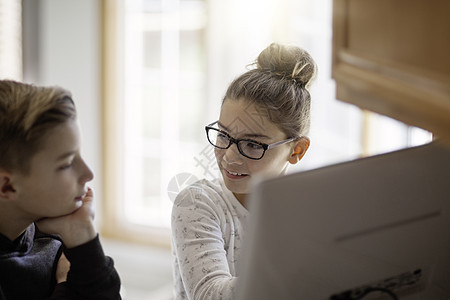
221, 135
222, 138
253, 146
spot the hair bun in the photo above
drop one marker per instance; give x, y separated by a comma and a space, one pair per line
288, 62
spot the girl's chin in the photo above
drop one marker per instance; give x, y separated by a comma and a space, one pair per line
236, 187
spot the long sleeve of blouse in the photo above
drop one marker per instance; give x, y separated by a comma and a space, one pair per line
207, 227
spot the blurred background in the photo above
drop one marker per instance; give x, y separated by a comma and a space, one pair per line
147, 76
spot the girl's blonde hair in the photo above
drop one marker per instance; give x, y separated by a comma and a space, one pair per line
279, 84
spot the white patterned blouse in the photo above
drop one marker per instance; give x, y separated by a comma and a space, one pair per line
208, 224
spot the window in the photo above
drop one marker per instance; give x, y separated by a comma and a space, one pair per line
164, 95
162, 103
167, 65
10, 39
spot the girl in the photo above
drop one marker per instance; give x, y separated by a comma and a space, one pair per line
264, 118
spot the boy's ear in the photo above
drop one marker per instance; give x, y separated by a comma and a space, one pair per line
299, 150
7, 191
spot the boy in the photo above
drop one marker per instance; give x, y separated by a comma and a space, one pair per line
46, 210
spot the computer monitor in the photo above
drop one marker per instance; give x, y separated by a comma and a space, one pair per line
373, 228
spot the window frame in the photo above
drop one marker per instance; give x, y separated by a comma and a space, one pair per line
113, 223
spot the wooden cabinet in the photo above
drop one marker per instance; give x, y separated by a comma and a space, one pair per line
393, 57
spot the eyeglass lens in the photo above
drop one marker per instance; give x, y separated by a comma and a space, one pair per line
246, 147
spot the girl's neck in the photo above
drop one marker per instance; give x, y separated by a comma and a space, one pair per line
241, 198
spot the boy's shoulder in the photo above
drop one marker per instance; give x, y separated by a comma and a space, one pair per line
32, 255
31, 242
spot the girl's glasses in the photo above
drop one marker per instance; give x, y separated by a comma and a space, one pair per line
248, 148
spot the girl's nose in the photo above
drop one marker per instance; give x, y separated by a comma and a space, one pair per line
232, 155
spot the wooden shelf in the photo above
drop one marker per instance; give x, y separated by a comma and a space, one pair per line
392, 57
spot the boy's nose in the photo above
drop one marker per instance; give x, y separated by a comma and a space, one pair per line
87, 173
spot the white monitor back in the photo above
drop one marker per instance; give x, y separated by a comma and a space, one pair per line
333, 233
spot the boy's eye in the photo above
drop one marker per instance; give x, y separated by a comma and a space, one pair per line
66, 166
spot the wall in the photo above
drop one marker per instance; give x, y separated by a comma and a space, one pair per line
62, 45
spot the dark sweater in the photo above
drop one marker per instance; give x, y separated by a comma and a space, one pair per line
28, 266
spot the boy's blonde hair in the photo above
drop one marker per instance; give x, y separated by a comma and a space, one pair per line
27, 112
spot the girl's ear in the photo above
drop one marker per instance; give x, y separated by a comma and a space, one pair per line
7, 191
299, 150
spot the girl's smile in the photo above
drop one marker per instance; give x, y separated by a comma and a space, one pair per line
234, 175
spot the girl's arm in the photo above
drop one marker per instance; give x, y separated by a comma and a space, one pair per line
201, 261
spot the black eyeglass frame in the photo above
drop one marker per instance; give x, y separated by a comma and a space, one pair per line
237, 141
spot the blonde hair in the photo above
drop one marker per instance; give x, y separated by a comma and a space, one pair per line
279, 83
27, 112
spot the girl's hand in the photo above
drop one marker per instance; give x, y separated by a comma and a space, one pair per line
76, 228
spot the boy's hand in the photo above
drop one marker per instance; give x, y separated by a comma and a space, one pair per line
62, 269
76, 228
